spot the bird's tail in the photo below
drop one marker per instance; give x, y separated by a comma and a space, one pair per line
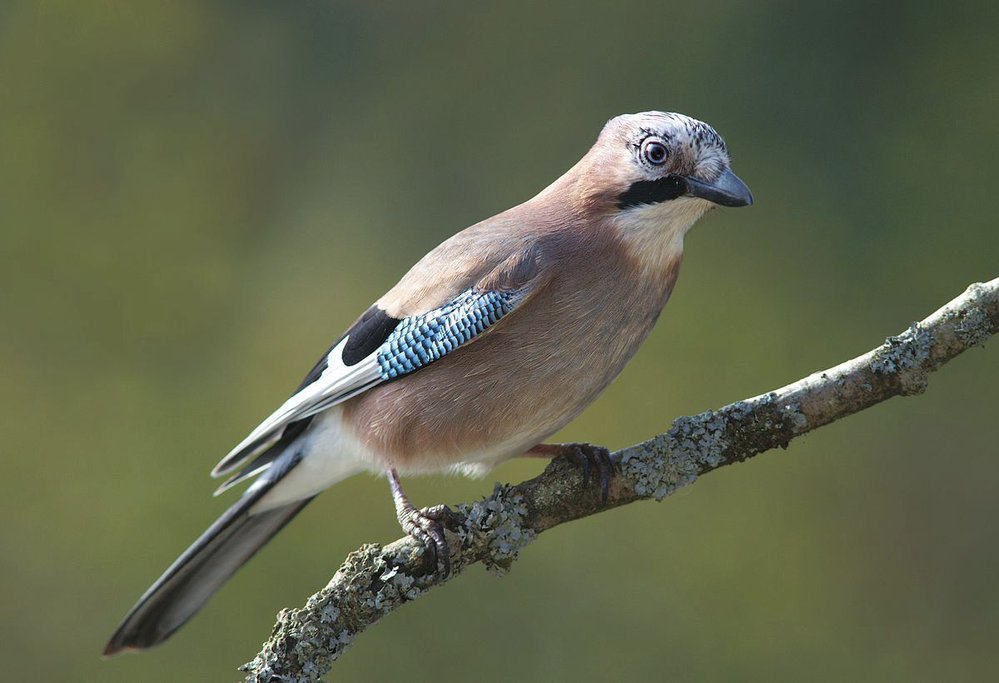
192, 579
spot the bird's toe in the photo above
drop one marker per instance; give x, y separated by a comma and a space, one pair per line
427, 527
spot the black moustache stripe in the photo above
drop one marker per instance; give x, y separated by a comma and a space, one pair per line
652, 192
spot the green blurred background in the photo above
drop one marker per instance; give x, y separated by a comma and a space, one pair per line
196, 198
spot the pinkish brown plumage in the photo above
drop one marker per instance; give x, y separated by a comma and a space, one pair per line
491, 343
564, 340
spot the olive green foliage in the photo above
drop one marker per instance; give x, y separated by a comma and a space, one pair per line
196, 198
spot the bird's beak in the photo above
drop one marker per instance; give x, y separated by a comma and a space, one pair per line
727, 190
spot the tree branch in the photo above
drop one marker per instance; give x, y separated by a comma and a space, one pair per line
376, 580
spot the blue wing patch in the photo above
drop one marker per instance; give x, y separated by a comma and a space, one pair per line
421, 339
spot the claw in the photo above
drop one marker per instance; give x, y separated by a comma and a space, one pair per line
588, 456
424, 525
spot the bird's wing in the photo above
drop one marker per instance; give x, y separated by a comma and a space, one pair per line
379, 348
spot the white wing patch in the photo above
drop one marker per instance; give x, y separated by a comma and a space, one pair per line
336, 384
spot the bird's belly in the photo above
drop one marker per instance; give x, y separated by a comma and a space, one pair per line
466, 430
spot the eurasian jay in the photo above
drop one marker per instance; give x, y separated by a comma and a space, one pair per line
491, 343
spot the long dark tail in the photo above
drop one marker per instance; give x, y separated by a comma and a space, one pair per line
188, 583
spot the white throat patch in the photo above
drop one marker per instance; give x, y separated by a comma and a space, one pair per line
654, 232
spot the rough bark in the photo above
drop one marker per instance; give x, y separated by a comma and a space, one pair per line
375, 580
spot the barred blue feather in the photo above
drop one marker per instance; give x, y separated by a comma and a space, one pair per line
421, 339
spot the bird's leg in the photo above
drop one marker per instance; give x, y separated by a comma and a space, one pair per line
586, 455
423, 525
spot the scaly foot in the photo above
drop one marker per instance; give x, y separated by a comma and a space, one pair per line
425, 525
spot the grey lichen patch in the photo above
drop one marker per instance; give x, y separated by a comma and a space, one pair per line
904, 355
306, 641
768, 413
493, 529
756, 425
672, 460
905, 351
738, 416
704, 442
654, 471
395, 587
973, 327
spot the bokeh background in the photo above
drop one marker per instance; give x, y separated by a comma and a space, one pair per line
195, 198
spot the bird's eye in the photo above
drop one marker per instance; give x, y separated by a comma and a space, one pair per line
655, 152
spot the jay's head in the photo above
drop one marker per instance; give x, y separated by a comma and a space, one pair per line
659, 168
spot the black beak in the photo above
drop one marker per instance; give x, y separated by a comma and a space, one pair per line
727, 190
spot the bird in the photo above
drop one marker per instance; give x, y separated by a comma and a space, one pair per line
487, 346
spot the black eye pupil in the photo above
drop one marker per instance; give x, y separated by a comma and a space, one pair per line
655, 152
